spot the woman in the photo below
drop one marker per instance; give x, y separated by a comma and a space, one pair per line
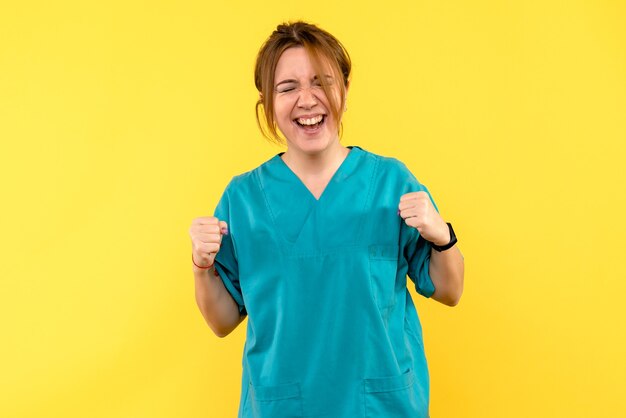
315, 245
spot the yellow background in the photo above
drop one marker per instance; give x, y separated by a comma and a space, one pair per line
122, 121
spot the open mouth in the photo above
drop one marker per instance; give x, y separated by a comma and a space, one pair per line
311, 124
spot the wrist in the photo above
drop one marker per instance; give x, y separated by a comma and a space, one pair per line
201, 266
445, 238
451, 241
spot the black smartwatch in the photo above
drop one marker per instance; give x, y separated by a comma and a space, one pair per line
448, 245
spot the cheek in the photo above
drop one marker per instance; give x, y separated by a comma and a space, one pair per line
281, 111
336, 94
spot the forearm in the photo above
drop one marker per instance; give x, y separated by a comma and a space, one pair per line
446, 269
217, 306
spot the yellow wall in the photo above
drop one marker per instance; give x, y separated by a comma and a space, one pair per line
122, 121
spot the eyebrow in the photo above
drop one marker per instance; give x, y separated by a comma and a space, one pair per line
291, 80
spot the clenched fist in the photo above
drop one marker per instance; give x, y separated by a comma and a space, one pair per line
206, 238
418, 211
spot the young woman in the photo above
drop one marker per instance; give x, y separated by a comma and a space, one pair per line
314, 246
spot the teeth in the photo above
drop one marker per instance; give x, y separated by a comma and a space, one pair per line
311, 121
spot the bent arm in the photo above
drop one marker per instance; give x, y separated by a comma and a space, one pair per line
219, 309
446, 270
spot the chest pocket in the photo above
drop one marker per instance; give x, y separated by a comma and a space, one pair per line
383, 269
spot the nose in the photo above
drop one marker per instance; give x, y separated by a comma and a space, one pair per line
306, 98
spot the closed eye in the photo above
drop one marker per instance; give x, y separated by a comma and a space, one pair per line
291, 85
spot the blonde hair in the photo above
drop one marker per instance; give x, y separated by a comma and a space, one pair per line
321, 47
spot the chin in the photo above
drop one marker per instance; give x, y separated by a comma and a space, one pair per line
313, 146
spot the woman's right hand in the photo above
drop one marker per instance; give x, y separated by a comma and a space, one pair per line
206, 238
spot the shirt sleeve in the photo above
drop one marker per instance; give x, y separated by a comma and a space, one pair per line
226, 262
415, 248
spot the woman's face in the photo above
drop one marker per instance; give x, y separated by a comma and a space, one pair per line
301, 108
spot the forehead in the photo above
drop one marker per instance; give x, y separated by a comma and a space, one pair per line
296, 63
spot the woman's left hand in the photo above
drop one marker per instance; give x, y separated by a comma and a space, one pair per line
418, 211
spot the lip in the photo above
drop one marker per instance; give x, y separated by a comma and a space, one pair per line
309, 116
310, 133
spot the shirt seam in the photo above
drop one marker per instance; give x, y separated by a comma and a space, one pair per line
368, 202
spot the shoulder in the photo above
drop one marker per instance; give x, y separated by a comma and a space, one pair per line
242, 183
240, 180
392, 168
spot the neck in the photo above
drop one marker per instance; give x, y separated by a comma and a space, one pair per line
316, 163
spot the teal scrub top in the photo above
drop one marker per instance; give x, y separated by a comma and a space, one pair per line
332, 330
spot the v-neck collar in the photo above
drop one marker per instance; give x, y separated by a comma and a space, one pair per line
337, 175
